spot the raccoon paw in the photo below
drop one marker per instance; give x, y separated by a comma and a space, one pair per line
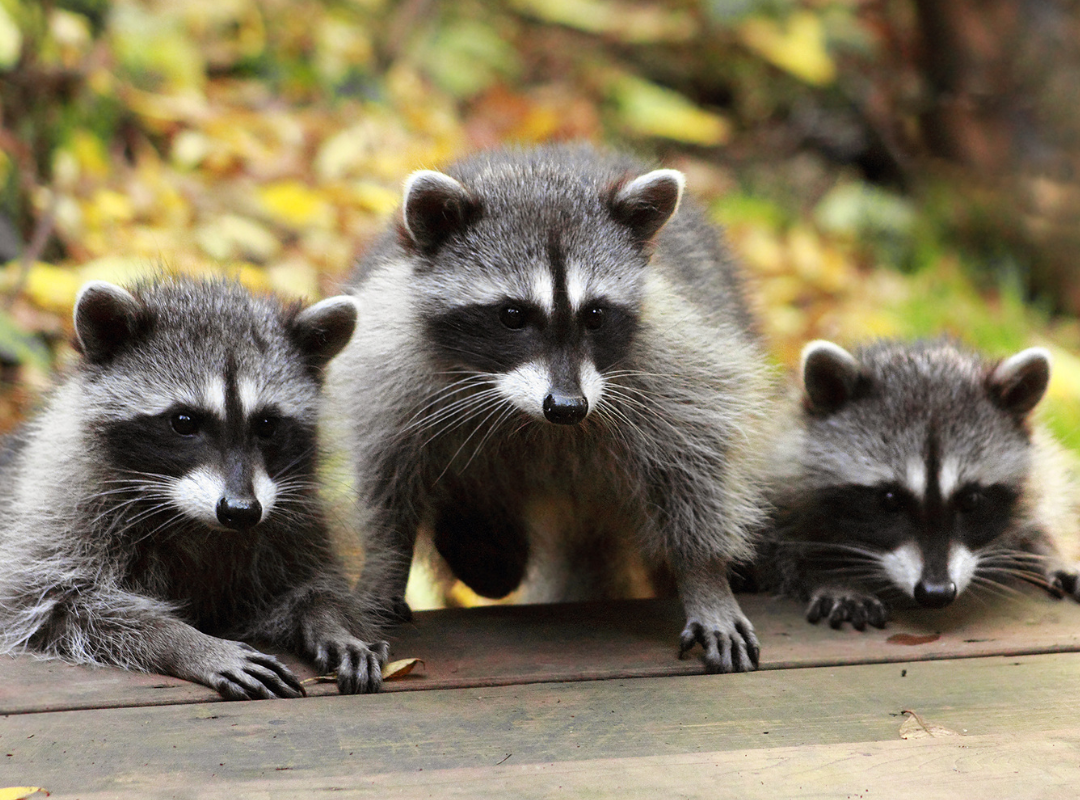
1064, 583
730, 643
248, 674
843, 606
358, 664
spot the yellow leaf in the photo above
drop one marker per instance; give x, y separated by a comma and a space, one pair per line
391, 671
798, 46
630, 23
1065, 376
19, 792
90, 154
651, 110
52, 288
399, 669
296, 205
375, 198
10, 40
108, 207
231, 236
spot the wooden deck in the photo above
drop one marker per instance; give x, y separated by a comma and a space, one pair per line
590, 701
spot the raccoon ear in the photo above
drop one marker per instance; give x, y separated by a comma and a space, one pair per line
106, 318
435, 206
321, 331
1019, 382
646, 203
830, 375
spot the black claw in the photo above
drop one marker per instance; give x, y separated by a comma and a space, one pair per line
818, 610
837, 616
878, 615
858, 615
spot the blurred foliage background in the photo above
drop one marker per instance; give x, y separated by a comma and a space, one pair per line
883, 167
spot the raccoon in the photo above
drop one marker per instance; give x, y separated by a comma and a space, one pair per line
552, 370
912, 472
166, 496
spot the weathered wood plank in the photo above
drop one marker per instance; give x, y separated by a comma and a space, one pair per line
999, 766
319, 740
507, 645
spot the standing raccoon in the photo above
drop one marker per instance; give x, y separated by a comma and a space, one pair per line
555, 372
165, 496
912, 472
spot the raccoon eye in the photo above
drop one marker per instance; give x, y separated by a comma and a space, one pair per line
265, 427
593, 317
513, 317
184, 424
890, 500
969, 499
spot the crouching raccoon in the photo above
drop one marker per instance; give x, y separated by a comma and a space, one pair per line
913, 472
165, 497
554, 330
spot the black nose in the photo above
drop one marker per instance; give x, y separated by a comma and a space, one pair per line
239, 513
565, 410
931, 594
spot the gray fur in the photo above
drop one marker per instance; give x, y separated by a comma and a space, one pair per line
98, 563
957, 485
664, 468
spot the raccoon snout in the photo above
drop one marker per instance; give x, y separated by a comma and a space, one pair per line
565, 409
239, 513
934, 594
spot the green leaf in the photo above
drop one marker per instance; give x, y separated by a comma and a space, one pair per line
796, 46
468, 56
647, 109
855, 209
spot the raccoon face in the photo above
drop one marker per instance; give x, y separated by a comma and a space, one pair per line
920, 455
205, 399
540, 294
221, 464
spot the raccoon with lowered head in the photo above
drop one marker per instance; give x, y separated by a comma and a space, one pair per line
913, 472
541, 335
165, 496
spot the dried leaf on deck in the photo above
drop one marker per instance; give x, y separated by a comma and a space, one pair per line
913, 638
331, 678
915, 727
392, 671
401, 668
20, 792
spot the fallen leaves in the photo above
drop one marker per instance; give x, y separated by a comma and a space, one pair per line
395, 670
647, 109
912, 639
796, 45
20, 792
399, 669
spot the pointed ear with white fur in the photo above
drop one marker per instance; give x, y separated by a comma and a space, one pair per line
321, 331
106, 318
830, 375
646, 203
1019, 382
434, 207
